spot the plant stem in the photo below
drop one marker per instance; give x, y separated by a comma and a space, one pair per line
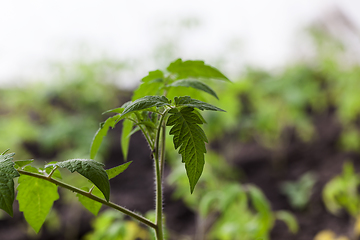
162, 154
159, 209
52, 172
93, 197
159, 160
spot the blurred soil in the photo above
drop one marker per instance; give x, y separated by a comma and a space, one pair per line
263, 167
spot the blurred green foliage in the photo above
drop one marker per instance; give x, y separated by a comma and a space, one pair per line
299, 192
111, 225
342, 192
61, 116
231, 210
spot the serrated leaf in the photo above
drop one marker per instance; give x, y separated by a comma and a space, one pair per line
113, 172
289, 220
7, 156
189, 102
197, 112
7, 192
36, 197
151, 85
190, 139
194, 84
125, 136
196, 69
90, 169
101, 133
89, 204
146, 102
22, 163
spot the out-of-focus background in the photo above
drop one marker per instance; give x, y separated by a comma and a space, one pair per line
292, 127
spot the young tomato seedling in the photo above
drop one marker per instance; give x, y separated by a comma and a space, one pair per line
150, 111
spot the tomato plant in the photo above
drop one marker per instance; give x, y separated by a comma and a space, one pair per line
151, 112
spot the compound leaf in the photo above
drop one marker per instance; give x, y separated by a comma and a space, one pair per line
89, 204
146, 102
190, 139
7, 173
113, 172
101, 133
196, 69
194, 84
36, 197
125, 136
190, 102
90, 169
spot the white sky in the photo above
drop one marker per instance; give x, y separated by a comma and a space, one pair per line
32, 32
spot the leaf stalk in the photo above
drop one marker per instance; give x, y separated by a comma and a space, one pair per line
93, 197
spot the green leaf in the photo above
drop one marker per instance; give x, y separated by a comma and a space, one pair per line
22, 163
197, 112
137, 128
340, 192
151, 85
153, 76
258, 200
7, 192
194, 84
262, 206
118, 110
7, 156
89, 204
329, 194
4, 152
125, 137
90, 169
289, 220
113, 172
190, 139
146, 102
189, 102
101, 133
115, 110
36, 197
207, 202
195, 69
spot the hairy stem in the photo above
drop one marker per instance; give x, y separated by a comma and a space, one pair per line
162, 154
159, 158
93, 197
